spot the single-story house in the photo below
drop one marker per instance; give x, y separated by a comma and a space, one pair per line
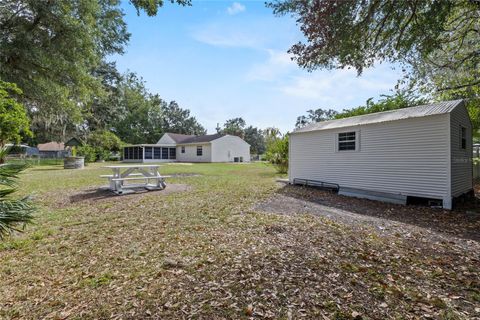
174, 147
421, 153
52, 150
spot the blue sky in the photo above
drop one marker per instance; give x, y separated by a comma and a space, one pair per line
226, 59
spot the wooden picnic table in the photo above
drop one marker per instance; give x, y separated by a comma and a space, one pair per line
135, 172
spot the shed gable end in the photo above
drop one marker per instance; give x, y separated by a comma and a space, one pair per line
461, 145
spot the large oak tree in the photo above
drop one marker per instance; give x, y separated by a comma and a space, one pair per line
437, 41
52, 48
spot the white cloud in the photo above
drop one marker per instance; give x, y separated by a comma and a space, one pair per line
322, 87
235, 8
339, 86
245, 32
215, 36
279, 63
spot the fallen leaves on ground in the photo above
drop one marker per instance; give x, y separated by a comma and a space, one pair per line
205, 253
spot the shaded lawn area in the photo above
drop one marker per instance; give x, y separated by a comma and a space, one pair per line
204, 251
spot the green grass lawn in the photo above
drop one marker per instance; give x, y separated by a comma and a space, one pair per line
203, 252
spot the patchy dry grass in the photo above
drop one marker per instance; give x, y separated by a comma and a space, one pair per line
203, 252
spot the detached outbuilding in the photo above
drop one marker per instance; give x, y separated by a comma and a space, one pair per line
401, 156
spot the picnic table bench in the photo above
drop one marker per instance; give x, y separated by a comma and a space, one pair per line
148, 175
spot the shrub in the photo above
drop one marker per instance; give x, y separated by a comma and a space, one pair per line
88, 152
102, 154
99, 146
105, 140
277, 154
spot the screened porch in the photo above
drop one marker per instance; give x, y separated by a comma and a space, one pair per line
149, 153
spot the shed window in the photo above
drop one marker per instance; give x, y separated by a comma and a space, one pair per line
199, 151
347, 141
183, 149
463, 137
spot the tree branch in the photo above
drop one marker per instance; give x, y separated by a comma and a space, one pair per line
402, 30
459, 86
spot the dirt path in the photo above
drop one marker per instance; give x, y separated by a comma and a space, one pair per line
462, 226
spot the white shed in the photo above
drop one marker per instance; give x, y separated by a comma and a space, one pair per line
173, 147
400, 156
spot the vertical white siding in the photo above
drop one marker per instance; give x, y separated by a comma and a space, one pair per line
461, 162
407, 157
226, 148
190, 154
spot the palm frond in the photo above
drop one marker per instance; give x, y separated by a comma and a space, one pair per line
6, 191
14, 213
9, 173
3, 153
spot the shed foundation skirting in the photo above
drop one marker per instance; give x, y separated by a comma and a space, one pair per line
447, 202
373, 195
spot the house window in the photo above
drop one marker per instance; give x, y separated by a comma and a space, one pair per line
347, 141
133, 153
173, 153
463, 137
199, 151
157, 153
164, 153
148, 153
183, 149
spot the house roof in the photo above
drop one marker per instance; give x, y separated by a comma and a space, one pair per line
73, 142
187, 140
393, 115
51, 146
203, 138
178, 138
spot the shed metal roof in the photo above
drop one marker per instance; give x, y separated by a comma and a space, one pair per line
393, 115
